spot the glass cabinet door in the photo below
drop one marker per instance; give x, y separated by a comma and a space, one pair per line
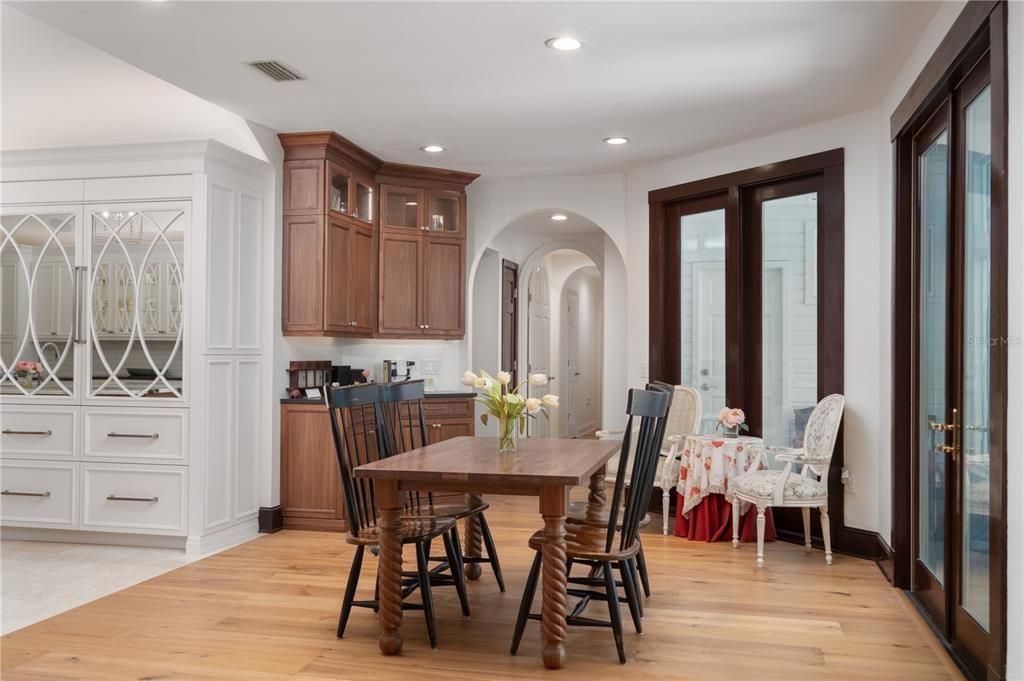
135, 284
401, 207
38, 303
444, 212
364, 199
339, 182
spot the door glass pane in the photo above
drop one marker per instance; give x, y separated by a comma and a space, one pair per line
977, 325
339, 191
932, 171
137, 297
702, 317
364, 202
443, 215
789, 331
401, 207
37, 302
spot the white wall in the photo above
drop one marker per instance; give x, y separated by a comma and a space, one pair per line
60, 92
486, 315
586, 282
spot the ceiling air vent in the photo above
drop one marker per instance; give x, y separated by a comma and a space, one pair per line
276, 70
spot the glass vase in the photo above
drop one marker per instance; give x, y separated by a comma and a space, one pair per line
732, 432
508, 435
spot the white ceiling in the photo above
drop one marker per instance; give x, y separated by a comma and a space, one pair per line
476, 77
540, 223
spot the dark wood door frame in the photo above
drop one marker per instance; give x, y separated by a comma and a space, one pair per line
738, 193
978, 33
510, 320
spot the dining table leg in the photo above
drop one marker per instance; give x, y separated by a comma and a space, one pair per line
390, 566
596, 500
474, 538
554, 580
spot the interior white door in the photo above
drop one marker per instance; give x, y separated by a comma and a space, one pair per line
775, 407
572, 354
709, 338
538, 346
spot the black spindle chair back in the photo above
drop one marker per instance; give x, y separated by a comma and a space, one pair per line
356, 442
401, 423
648, 408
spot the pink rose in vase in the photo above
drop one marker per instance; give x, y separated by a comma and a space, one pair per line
732, 420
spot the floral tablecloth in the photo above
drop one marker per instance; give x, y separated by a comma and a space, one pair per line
708, 462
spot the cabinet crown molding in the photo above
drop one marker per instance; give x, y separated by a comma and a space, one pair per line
313, 145
404, 173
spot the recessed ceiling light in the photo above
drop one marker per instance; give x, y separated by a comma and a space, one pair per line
410, 203
616, 140
559, 217
563, 43
432, 148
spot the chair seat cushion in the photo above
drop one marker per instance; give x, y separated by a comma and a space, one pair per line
762, 484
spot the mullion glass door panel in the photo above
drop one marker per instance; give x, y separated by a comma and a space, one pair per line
38, 302
932, 473
136, 301
976, 378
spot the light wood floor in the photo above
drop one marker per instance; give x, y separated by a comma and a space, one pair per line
267, 610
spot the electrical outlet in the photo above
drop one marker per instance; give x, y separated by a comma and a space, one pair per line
847, 479
430, 367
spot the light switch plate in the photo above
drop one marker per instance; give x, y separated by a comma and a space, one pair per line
430, 367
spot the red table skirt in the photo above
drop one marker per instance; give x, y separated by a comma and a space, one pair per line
711, 520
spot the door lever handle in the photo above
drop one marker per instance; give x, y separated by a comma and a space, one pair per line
707, 386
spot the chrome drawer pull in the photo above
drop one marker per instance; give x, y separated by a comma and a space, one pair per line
11, 493
44, 433
114, 497
152, 436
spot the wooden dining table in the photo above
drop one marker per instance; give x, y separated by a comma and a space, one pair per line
540, 467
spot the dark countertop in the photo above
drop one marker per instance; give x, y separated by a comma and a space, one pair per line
433, 394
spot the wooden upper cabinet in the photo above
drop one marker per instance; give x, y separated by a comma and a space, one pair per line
330, 279
443, 292
399, 304
344, 276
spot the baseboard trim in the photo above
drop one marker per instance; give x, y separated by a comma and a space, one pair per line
849, 541
271, 519
885, 563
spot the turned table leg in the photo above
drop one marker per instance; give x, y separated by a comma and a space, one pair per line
596, 499
388, 503
474, 538
553, 502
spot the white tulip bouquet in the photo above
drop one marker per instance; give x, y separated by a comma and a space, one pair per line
507, 404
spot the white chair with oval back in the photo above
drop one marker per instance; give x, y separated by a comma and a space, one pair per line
781, 488
683, 420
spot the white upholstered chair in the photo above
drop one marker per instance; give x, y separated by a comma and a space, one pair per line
784, 488
683, 419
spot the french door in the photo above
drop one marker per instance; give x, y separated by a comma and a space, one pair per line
952, 184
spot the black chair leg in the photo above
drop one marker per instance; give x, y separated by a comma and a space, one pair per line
428, 600
632, 595
613, 610
457, 543
457, 574
492, 555
636, 584
350, 589
641, 564
524, 605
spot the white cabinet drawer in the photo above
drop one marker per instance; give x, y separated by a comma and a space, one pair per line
142, 436
38, 432
143, 499
38, 494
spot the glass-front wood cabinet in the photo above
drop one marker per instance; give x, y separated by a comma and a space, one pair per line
441, 212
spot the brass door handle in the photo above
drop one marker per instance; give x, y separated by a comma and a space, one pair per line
954, 427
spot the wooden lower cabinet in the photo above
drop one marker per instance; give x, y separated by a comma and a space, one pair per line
311, 497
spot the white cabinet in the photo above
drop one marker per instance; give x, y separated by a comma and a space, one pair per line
118, 293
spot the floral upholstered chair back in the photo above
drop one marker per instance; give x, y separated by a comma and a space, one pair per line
821, 432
